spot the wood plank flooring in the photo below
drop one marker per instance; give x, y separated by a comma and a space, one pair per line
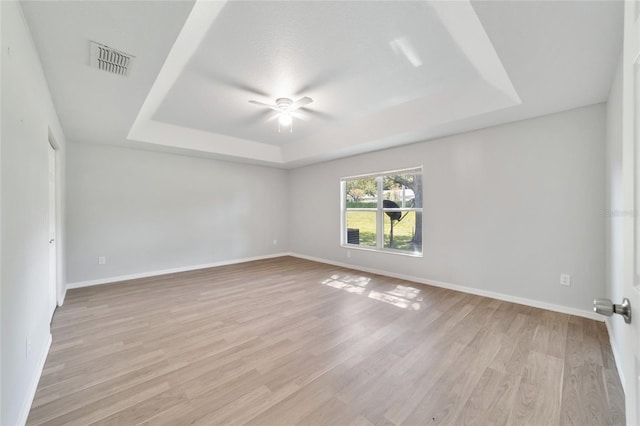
289, 341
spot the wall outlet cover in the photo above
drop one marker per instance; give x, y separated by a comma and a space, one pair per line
565, 279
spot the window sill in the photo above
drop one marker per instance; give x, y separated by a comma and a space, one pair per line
386, 251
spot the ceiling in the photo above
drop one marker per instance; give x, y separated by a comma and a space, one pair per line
381, 74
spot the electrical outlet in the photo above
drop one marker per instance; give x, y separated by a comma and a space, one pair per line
102, 260
275, 242
348, 253
28, 347
565, 279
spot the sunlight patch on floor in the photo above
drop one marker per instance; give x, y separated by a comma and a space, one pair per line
401, 296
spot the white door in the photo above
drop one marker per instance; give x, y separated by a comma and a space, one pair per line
53, 286
631, 176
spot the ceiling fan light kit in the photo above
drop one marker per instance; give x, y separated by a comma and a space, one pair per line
284, 116
285, 107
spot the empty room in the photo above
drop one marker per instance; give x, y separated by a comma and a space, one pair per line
319, 212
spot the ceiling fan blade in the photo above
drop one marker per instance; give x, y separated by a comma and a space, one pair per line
274, 115
263, 104
298, 114
318, 114
319, 81
300, 103
212, 76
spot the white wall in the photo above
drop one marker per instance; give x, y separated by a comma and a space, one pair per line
148, 211
1, 317
614, 207
506, 209
27, 117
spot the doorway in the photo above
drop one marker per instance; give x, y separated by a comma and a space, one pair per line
52, 218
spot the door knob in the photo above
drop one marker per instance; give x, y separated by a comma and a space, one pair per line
51, 241
606, 307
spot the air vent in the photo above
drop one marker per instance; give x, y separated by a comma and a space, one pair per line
109, 59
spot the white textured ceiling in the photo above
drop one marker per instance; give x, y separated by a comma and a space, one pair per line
286, 51
380, 73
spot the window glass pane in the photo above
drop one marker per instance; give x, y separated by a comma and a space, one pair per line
407, 232
362, 193
403, 189
361, 228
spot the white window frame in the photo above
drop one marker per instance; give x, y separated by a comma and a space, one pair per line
379, 212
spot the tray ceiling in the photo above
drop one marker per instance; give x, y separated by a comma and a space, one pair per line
381, 73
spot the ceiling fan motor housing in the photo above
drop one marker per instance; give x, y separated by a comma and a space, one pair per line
284, 103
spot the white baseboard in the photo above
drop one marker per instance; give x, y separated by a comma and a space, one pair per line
617, 356
61, 298
109, 280
456, 287
31, 391
464, 289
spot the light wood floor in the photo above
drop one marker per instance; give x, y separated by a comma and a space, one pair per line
288, 341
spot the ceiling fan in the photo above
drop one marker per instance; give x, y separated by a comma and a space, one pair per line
285, 108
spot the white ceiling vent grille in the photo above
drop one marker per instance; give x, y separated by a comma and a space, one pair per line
111, 60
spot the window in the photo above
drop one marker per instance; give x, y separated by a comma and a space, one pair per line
383, 211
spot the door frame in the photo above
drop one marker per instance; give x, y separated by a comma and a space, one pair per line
51, 140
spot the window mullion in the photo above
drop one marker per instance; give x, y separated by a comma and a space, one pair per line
379, 215
343, 212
